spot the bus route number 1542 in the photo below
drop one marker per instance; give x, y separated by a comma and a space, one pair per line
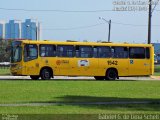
110, 62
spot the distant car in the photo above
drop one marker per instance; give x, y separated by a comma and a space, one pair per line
155, 59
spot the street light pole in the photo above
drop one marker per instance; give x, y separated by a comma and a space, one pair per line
109, 23
35, 30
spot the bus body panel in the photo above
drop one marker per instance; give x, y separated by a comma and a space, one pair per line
138, 67
32, 67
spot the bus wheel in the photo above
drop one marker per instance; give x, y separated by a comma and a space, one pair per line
45, 74
111, 74
34, 77
99, 77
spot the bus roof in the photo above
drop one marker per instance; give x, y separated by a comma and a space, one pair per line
84, 43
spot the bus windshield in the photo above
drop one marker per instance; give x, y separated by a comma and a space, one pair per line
16, 52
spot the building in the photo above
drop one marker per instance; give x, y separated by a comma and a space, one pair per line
16, 29
12, 30
30, 30
2, 30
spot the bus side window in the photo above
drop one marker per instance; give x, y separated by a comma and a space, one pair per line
137, 52
42, 51
104, 52
125, 52
47, 50
147, 53
113, 52
95, 52
30, 52
85, 51
120, 52
77, 51
65, 50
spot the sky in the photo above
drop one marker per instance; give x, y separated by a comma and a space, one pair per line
79, 19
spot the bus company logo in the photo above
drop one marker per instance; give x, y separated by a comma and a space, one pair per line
59, 62
83, 63
131, 62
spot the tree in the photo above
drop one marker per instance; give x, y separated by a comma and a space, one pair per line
5, 50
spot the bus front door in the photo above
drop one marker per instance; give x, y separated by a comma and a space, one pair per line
137, 67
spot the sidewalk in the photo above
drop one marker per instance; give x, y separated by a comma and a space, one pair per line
78, 78
155, 77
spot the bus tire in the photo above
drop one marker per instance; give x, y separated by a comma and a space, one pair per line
34, 77
111, 74
45, 74
99, 77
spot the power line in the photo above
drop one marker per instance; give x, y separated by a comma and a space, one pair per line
125, 24
155, 7
44, 10
74, 28
67, 11
90, 26
56, 10
134, 25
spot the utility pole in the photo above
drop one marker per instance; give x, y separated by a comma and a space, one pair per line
109, 23
109, 33
149, 21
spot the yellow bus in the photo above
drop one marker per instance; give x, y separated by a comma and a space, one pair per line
103, 61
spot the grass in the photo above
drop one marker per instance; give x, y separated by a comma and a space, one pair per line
157, 70
79, 91
4, 71
70, 91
